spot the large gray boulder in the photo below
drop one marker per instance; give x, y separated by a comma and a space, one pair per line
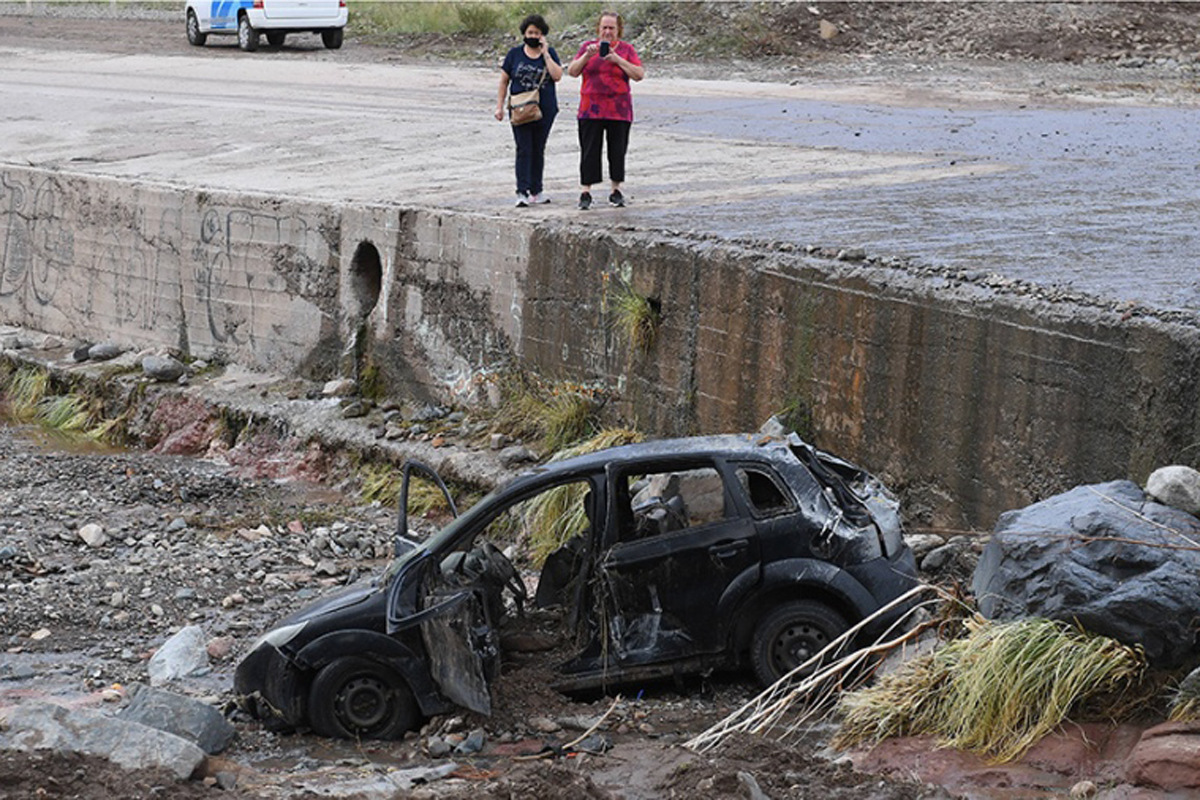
1106, 556
183, 716
44, 726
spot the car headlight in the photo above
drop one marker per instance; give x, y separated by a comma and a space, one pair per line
278, 637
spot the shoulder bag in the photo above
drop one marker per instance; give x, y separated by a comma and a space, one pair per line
524, 107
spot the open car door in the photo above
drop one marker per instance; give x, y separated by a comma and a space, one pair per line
457, 634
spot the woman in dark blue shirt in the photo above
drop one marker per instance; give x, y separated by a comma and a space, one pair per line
523, 69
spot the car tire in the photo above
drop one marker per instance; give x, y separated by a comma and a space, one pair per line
332, 37
247, 36
789, 635
194, 36
275, 38
357, 698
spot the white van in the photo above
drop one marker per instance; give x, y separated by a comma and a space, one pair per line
275, 18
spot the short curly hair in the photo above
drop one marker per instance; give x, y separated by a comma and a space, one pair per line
537, 20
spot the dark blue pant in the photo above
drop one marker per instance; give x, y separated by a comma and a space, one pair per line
531, 153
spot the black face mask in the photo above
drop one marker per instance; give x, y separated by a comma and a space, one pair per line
533, 42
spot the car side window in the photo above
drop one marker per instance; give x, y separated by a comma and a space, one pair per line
763, 492
661, 502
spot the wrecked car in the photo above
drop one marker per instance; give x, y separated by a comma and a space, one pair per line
691, 555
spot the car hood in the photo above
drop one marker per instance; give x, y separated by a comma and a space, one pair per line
343, 598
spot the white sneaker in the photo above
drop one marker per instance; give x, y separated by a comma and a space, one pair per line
522, 200
538, 199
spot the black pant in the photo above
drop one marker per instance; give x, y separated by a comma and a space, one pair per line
592, 133
531, 153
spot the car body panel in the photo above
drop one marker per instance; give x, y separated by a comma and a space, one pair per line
686, 544
221, 16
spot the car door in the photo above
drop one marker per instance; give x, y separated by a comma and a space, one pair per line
221, 14
662, 582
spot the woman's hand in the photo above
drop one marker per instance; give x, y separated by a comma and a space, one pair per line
500, 113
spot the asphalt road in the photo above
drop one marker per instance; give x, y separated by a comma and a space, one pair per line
1079, 177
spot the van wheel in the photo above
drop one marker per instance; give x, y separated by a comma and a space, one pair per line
357, 698
247, 36
275, 38
791, 634
195, 37
332, 37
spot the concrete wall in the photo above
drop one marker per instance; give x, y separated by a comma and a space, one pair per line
968, 401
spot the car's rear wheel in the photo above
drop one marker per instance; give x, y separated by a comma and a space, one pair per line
247, 36
357, 698
332, 37
195, 37
275, 38
791, 634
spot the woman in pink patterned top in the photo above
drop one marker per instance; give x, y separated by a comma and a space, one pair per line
605, 105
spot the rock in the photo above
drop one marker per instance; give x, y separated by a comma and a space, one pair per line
438, 747
1105, 556
340, 387
1168, 757
1176, 486
93, 535
40, 634
472, 744
1083, 789
939, 557
516, 454
497, 441
176, 525
543, 725
184, 654
922, 543
355, 410
103, 351
81, 353
220, 648
748, 781
851, 254
44, 726
827, 31
187, 718
163, 368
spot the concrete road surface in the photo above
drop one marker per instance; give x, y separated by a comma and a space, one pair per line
1091, 185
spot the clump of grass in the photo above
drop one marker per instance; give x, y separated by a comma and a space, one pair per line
25, 390
996, 691
634, 315
555, 416
1185, 700
555, 516
70, 413
382, 482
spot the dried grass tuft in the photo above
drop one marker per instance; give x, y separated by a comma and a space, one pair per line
996, 691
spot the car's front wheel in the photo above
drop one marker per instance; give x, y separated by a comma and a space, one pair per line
332, 37
791, 634
195, 37
247, 35
275, 38
357, 698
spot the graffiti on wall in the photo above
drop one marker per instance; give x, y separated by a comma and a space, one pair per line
37, 248
105, 260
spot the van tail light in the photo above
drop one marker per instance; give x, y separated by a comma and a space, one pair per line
258, 4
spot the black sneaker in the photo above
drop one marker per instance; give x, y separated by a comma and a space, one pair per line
585, 201
616, 199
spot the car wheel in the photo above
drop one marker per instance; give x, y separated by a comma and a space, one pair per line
275, 38
791, 634
332, 37
247, 36
357, 698
195, 37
